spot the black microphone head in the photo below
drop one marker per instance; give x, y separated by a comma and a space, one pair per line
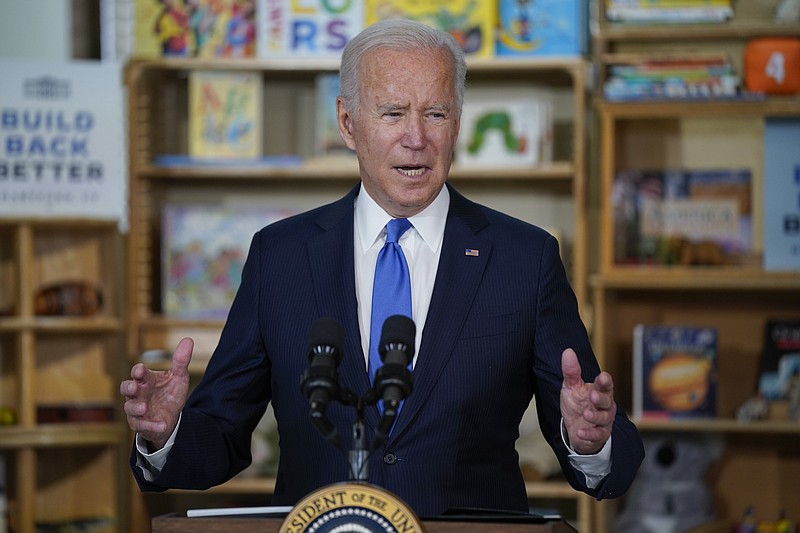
326, 332
398, 330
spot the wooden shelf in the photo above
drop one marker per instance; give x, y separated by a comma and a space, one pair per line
750, 106
59, 360
733, 30
720, 425
62, 435
737, 300
73, 325
644, 278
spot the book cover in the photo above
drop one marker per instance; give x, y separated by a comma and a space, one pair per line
204, 247
781, 194
541, 28
307, 28
225, 114
669, 11
195, 28
504, 133
327, 139
779, 365
674, 371
683, 217
470, 22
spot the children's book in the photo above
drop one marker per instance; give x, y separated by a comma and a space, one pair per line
674, 371
195, 28
225, 114
782, 194
542, 28
683, 217
780, 358
310, 28
204, 247
328, 141
470, 22
504, 133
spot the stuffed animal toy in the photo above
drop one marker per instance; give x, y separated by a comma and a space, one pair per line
670, 495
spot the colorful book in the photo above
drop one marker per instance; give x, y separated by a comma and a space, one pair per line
195, 28
307, 28
504, 133
674, 372
780, 358
781, 194
542, 28
669, 11
470, 22
327, 139
204, 247
225, 114
634, 76
683, 217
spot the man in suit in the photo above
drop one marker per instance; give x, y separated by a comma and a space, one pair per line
497, 322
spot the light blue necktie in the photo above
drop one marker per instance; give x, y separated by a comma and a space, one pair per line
391, 289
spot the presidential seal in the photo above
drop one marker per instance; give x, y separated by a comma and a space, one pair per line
351, 508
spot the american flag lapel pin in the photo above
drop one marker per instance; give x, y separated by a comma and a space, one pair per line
472, 252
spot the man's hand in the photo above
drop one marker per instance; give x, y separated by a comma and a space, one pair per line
588, 409
154, 399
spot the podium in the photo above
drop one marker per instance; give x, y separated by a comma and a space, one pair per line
174, 523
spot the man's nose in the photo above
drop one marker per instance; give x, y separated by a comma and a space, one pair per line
414, 134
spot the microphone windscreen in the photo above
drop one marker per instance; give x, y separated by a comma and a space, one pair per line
327, 332
399, 329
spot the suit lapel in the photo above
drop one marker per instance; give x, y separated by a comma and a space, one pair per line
331, 259
457, 280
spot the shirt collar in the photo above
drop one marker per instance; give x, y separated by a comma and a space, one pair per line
429, 223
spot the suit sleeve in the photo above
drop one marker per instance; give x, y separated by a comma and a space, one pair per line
558, 326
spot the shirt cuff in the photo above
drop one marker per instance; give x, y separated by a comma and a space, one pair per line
151, 464
594, 467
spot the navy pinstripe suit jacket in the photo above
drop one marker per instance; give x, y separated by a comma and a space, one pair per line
493, 339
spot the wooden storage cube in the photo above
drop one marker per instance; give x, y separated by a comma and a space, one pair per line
9, 376
77, 372
77, 489
87, 255
289, 99
738, 316
693, 144
9, 277
763, 474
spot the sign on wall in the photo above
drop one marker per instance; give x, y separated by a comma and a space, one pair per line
62, 133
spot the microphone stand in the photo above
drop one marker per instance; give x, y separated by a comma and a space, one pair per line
358, 455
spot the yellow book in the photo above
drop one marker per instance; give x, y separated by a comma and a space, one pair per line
225, 114
470, 22
196, 28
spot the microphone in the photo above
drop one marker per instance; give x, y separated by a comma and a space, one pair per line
320, 382
393, 379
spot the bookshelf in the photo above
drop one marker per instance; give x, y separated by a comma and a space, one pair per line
551, 195
64, 472
759, 466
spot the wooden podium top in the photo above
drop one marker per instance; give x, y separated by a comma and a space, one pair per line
233, 524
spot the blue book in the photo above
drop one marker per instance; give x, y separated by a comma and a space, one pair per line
782, 194
674, 372
542, 28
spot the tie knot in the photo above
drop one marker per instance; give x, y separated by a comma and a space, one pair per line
395, 229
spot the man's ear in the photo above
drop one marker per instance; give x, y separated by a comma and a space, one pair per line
345, 121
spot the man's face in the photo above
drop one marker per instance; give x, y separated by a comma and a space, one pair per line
405, 130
